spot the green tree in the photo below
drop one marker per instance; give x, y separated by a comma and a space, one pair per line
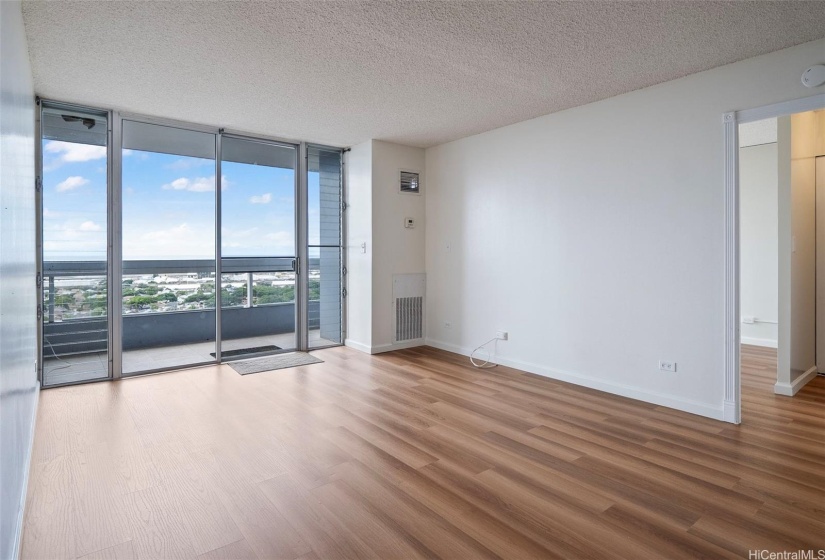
142, 301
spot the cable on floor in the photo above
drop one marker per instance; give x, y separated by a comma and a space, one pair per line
487, 363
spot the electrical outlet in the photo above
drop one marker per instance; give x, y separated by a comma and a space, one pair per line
667, 366
502, 335
448, 325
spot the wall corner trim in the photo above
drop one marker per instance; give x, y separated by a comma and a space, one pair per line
792, 388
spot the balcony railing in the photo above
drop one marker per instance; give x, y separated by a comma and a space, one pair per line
80, 288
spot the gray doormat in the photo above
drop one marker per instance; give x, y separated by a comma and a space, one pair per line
270, 363
242, 351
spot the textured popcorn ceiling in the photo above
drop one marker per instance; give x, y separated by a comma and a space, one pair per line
418, 73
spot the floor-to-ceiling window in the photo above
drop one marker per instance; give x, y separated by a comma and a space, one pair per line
325, 238
168, 206
74, 241
167, 245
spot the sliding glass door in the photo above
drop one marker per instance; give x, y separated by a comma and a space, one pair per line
258, 248
167, 245
168, 205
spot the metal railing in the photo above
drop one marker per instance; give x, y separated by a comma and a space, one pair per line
87, 332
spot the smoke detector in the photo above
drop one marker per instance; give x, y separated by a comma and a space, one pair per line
814, 76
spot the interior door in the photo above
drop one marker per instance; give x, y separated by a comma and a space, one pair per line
259, 306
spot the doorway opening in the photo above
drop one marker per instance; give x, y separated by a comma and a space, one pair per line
776, 197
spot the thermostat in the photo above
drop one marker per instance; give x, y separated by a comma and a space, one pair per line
409, 223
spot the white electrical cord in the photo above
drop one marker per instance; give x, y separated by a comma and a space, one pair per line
487, 363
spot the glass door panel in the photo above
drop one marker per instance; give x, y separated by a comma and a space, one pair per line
258, 247
325, 282
168, 280
74, 221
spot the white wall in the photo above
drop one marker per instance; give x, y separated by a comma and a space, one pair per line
596, 235
820, 261
758, 215
802, 141
398, 250
18, 300
803, 252
358, 220
375, 216
783, 353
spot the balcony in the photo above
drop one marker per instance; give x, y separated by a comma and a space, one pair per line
169, 314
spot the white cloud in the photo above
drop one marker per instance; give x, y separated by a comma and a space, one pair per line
89, 226
49, 214
228, 233
265, 198
198, 184
71, 183
188, 163
182, 241
281, 238
71, 152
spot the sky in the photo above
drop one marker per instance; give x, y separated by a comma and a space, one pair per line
168, 206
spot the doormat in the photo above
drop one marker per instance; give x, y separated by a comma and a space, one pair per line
242, 351
269, 363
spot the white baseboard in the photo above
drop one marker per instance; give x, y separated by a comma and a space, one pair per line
766, 342
669, 401
367, 349
730, 412
792, 388
360, 346
21, 514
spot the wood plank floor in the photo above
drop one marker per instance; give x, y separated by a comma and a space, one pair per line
413, 454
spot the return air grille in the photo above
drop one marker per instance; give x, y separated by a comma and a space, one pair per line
408, 307
409, 314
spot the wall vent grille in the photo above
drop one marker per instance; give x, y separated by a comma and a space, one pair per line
409, 316
408, 307
409, 182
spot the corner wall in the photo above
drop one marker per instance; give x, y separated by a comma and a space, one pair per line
596, 236
18, 299
803, 244
799, 347
376, 211
358, 222
396, 249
